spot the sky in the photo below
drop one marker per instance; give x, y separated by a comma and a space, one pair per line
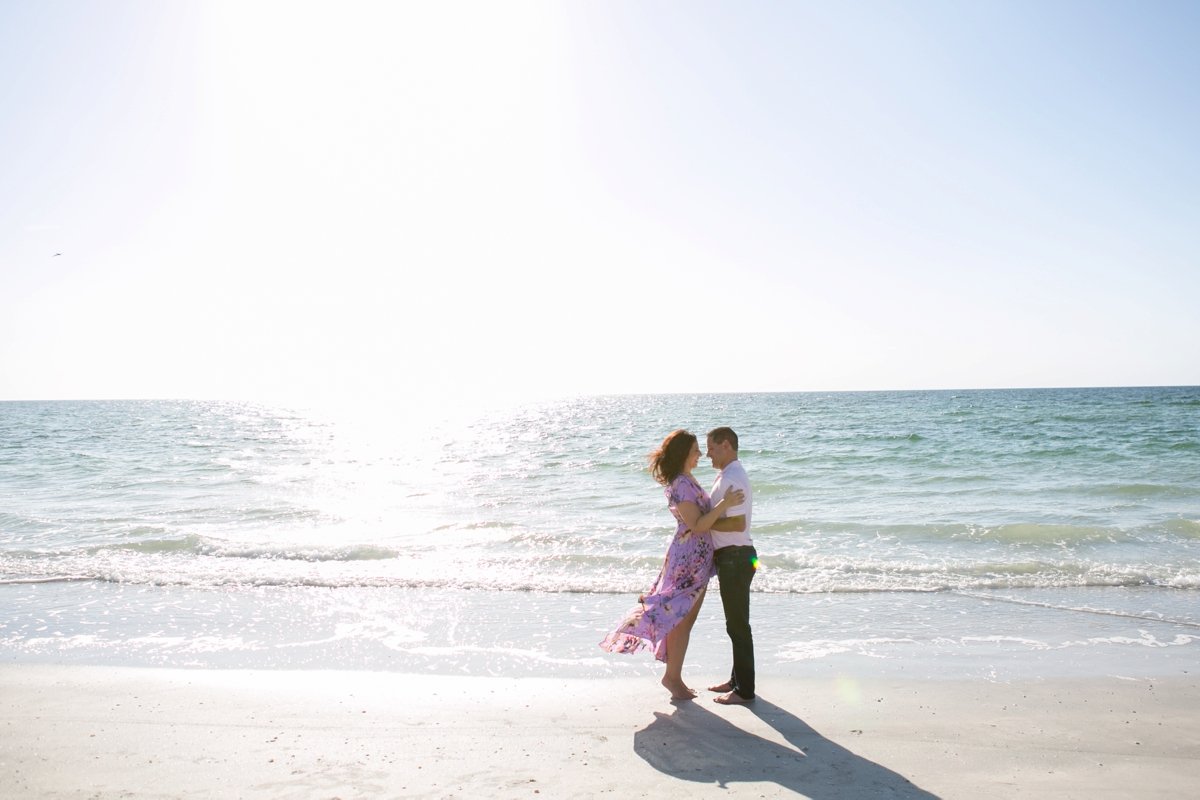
328, 201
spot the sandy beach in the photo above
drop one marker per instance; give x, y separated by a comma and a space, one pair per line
102, 732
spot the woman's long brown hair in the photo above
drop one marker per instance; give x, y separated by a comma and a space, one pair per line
666, 463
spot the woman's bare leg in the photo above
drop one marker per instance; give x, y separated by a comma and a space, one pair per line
677, 645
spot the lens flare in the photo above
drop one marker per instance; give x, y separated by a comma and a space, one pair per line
848, 690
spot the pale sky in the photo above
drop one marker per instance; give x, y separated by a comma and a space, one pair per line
293, 201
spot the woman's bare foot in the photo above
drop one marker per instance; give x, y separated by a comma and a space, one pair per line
679, 690
733, 699
722, 688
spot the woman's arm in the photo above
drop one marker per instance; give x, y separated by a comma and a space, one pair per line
701, 523
730, 524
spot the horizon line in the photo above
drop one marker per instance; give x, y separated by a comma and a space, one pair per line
576, 395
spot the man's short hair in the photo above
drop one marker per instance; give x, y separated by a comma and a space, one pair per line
721, 435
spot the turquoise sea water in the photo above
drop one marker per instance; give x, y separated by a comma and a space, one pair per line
977, 527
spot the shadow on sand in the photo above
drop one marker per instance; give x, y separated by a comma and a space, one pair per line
695, 744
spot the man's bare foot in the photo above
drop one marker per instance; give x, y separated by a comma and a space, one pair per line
722, 688
733, 699
679, 690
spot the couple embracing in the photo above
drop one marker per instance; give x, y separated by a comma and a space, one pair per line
712, 537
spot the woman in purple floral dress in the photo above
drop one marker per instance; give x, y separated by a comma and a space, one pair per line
664, 615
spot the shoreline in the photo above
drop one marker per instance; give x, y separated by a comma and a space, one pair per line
1008, 636
177, 733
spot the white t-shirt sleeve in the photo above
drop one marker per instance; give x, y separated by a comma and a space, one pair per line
727, 484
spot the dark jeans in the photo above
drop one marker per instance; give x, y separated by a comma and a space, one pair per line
735, 570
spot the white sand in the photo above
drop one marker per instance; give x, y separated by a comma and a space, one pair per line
99, 732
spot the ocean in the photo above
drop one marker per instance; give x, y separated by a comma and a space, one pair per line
960, 533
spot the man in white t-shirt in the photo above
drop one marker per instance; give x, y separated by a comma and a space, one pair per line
736, 561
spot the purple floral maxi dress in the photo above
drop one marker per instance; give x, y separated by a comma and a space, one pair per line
685, 572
